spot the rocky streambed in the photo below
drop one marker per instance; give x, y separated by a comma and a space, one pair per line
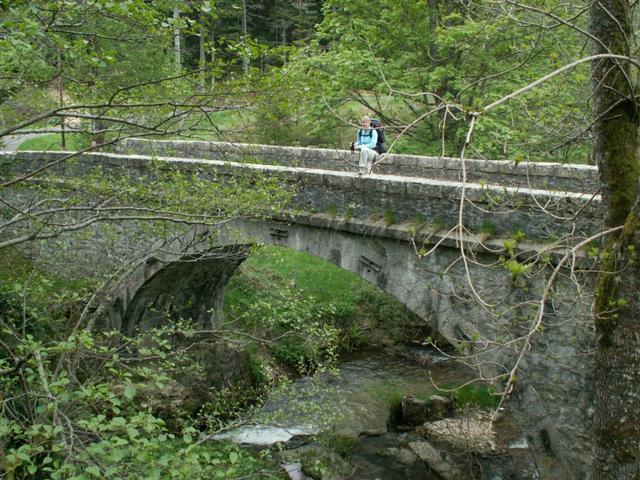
380, 416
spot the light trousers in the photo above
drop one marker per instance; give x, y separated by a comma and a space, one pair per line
367, 157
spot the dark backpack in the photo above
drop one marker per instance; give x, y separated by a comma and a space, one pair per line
380, 129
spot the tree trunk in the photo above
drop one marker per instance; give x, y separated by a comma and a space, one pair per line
284, 33
617, 419
433, 25
176, 38
63, 140
617, 307
245, 59
202, 58
213, 56
616, 139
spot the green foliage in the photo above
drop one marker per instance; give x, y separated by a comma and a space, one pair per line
473, 395
417, 49
226, 405
488, 228
517, 269
339, 444
332, 209
33, 302
307, 342
321, 308
71, 387
419, 220
352, 338
388, 216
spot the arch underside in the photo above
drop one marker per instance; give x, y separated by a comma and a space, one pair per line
192, 285
434, 287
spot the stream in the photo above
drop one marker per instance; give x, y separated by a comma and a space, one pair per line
338, 424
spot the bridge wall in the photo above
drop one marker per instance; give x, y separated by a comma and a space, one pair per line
489, 209
539, 175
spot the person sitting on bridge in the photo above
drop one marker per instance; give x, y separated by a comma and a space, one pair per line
366, 140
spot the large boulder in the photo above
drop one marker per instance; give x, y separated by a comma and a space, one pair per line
415, 412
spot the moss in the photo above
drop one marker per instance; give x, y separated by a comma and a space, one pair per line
388, 216
607, 297
621, 171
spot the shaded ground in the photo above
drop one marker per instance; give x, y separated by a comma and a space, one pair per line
10, 143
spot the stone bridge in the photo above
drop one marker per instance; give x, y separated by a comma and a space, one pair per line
399, 228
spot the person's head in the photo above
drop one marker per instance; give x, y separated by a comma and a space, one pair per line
365, 122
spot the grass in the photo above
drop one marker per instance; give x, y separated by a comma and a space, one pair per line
474, 395
74, 142
388, 216
224, 126
270, 267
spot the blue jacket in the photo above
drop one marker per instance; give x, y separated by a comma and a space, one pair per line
367, 137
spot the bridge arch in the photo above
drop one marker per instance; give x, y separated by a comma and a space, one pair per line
190, 281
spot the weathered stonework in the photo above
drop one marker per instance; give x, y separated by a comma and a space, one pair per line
500, 210
542, 175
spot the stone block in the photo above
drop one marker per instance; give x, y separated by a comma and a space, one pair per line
414, 411
429, 455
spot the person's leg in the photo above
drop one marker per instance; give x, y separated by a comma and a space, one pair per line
362, 163
371, 157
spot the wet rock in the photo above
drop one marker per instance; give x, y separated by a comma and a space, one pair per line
294, 471
172, 402
414, 411
439, 407
224, 363
403, 455
429, 455
265, 435
317, 463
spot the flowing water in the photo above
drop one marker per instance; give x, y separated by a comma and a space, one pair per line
351, 407
351, 401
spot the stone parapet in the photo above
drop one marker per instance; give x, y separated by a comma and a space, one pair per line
491, 209
541, 175
497, 210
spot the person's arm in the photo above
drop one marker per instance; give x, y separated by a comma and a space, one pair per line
357, 137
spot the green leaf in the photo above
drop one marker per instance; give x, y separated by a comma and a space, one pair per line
93, 470
129, 392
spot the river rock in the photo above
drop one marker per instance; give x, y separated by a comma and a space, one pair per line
440, 407
171, 402
429, 455
414, 411
472, 432
403, 455
316, 463
294, 471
